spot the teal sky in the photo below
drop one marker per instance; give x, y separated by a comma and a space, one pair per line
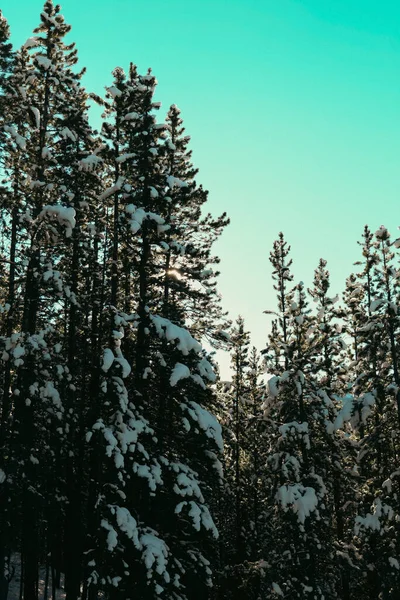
293, 108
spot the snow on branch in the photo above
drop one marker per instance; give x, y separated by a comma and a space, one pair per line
155, 552
206, 421
113, 189
179, 372
372, 519
355, 410
295, 430
90, 163
303, 500
175, 182
171, 332
32, 42
19, 139
65, 216
200, 516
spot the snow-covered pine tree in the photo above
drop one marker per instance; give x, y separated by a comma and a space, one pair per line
376, 407
6, 60
255, 483
81, 176
7, 275
45, 107
242, 511
329, 369
240, 349
255, 447
154, 531
189, 281
234, 528
302, 562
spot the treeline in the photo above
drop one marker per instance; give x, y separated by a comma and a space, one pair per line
312, 456
108, 451
128, 470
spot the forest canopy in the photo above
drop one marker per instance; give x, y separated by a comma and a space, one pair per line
128, 468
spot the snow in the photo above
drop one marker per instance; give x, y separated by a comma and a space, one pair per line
276, 588
179, 372
153, 192
295, 429
128, 525
197, 379
375, 304
108, 359
217, 465
65, 216
206, 370
273, 386
152, 473
372, 520
387, 485
345, 414
114, 91
45, 15
195, 513
36, 114
394, 563
22, 91
113, 189
19, 139
67, 133
126, 367
205, 518
18, 351
49, 391
206, 421
155, 552
90, 163
32, 42
43, 61
165, 328
302, 499
186, 482
382, 233
124, 157
132, 116
112, 537
175, 182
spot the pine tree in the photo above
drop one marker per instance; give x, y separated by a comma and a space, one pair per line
153, 489
378, 411
300, 414
331, 377
47, 131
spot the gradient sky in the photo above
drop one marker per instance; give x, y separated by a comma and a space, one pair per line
293, 108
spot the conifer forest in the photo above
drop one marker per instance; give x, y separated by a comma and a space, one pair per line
129, 470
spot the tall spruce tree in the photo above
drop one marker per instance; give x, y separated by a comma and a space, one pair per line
152, 530
300, 414
376, 408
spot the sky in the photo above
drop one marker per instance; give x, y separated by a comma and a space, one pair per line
293, 108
